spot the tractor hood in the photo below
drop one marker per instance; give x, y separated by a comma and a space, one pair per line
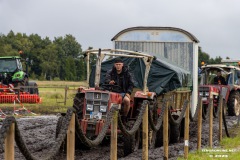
163, 76
18, 76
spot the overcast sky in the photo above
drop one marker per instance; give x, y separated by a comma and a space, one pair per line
215, 23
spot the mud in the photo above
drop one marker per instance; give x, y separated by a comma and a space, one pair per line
39, 135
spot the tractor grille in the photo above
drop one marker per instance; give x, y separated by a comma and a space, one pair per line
96, 105
204, 92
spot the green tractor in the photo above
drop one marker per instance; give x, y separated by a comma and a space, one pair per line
13, 79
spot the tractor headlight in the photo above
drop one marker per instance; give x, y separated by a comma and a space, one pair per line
200, 93
103, 108
206, 93
89, 107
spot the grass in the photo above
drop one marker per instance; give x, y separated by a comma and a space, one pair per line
229, 148
52, 94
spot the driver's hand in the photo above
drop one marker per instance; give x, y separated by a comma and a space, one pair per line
128, 95
112, 82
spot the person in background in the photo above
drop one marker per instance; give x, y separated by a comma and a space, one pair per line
219, 79
120, 75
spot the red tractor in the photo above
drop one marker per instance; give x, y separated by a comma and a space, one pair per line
92, 104
229, 91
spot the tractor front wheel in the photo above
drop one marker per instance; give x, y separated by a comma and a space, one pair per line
78, 103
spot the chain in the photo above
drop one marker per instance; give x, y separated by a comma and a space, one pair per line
91, 143
178, 121
160, 118
21, 144
137, 123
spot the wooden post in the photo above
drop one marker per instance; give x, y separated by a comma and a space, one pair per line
65, 98
186, 131
71, 139
88, 68
199, 137
145, 135
9, 143
210, 122
220, 118
165, 132
114, 124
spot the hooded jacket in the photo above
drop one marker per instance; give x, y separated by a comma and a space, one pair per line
127, 82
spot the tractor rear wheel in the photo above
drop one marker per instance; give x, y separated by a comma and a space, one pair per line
175, 130
33, 88
20, 85
234, 104
159, 136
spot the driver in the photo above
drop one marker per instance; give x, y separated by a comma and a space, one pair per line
219, 79
120, 75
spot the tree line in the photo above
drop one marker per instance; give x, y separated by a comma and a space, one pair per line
204, 57
58, 59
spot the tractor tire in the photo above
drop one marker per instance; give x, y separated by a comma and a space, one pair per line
58, 128
131, 143
234, 103
204, 111
33, 88
215, 111
182, 130
175, 131
159, 136
224, 108
78, 104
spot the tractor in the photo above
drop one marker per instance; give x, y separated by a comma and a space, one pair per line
14, 81
93, 103
230, 91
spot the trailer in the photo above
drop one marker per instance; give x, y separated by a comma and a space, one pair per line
172, 45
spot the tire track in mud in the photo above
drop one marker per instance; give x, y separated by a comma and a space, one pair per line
39, 135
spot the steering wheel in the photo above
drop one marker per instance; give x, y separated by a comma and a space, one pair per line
111, 87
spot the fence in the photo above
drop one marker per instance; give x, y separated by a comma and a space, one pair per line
70, 126
49, 98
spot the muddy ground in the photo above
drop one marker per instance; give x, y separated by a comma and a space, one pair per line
39, 135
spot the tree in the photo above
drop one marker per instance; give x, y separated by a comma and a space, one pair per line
202, 57
48, 59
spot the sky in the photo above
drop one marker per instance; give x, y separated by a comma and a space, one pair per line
215, 23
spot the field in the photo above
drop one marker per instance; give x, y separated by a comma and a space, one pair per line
53, 97
229, 148
56, 97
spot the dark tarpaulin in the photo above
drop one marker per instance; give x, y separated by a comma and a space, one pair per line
163, 76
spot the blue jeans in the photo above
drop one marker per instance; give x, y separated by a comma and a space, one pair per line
123, 95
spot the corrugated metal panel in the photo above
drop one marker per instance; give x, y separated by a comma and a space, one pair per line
177, 53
